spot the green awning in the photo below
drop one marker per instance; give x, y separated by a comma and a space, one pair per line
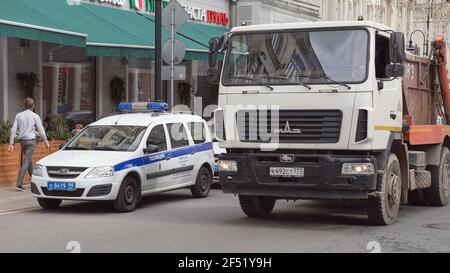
103, 31
36, 20
134, 34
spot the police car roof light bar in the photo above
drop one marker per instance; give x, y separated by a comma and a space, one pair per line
143, 106
157, 106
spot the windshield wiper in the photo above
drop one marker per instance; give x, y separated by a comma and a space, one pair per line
103, 149
253, 80
337, 82
325, 77
289, 80
75, 149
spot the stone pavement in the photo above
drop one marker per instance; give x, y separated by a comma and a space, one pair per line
13, 200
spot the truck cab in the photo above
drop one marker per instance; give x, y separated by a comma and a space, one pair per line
312, 111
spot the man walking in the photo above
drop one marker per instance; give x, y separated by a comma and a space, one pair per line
27, 122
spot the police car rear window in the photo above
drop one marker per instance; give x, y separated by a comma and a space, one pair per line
178, 136
197, 132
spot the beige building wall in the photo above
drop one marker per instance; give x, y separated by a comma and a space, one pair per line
403, 15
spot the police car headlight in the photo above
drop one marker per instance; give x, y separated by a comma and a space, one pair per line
228, 166
101, 172
38, 170
358, 169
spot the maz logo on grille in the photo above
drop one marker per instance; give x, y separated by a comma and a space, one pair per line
287, 130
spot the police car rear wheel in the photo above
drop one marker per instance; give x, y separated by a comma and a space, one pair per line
49, 204
128, 196
203, 184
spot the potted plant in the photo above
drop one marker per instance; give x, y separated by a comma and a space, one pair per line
27, 83
9, 162
117, 88
58, 133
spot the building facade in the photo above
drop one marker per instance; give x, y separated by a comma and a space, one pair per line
113, 61
252, 12
407, 16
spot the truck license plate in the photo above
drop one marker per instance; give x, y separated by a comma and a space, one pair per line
287, 172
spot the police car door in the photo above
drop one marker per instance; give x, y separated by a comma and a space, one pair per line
182, 153
157, 165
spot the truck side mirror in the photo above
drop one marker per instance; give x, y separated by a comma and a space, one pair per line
395, 70
397, 48
213, 51
151, 149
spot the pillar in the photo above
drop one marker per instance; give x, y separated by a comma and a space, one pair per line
55, 89
135, 86
99, 91
40, 90
76, 98
4, 77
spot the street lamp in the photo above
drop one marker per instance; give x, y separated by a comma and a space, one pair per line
412, 48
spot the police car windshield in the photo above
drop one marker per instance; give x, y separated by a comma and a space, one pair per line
108, 138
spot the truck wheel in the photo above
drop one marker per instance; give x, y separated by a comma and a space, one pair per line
202, 184
257, 206
50, 204
438, 193
128, 196
383, 207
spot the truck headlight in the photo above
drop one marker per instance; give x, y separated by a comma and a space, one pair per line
101, 172
358, 169
228, 166
38, 170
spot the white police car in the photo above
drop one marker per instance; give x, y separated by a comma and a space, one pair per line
122, 157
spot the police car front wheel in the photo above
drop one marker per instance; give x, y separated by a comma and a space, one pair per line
129, 195
202, 184
49, 204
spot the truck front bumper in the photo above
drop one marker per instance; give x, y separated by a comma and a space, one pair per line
322, 177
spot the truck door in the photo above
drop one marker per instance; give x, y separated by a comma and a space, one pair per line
183, 161
157, 165
388, 99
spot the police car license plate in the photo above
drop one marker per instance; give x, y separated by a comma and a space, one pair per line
61, 186
287, 172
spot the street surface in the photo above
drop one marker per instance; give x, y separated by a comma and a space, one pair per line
175, 222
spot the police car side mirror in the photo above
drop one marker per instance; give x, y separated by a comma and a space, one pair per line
151, 149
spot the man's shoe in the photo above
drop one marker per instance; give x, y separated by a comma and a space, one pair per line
21, 188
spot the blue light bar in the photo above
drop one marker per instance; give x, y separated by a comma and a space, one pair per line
157, 106
125, 106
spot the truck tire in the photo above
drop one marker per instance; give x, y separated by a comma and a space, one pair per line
438, 193
50, 204
202, 184
257, 206
128, 196
383, 206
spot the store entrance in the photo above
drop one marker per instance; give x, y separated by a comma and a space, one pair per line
68, 89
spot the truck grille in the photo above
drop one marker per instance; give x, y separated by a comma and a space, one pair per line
291, 126
65, 172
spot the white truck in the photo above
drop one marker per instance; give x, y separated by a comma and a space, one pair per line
331, 110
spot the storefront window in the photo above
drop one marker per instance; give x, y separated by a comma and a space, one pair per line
68, 84
140, 80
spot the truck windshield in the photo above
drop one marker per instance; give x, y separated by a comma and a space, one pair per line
298, 57
108, 138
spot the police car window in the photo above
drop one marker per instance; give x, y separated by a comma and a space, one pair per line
158, 137
178, 136
108, 138
197, 132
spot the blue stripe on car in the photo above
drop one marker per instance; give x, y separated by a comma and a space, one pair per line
154, 158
